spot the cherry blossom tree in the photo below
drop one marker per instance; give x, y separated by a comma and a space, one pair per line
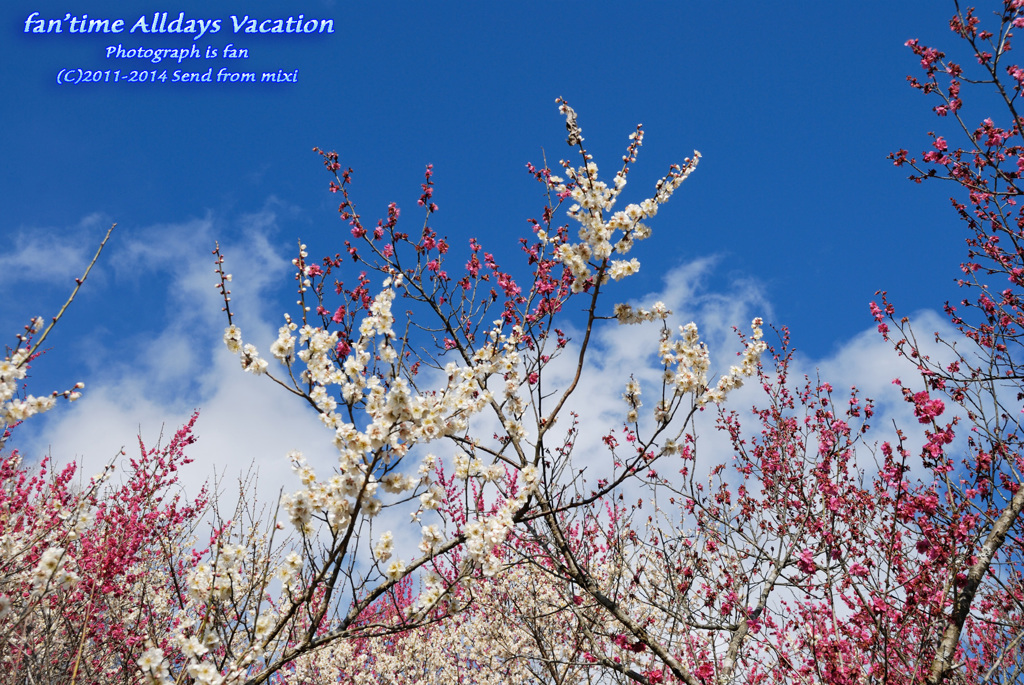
470, 357
86, 567
323, 574
88, 572
979, 491
811, 554
802, 559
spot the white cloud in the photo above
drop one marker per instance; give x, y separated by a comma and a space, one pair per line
149, 382
153, 384
39, 255
866, 362
619, 352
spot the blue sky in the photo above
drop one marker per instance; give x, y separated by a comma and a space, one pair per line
794, 212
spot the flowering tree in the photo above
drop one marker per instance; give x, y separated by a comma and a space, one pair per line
472, 356
980, 497
256, 599
810, 555
803, 558
87, 576
86, 569
459, 538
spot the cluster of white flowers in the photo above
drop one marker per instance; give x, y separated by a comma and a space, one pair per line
690, 358
205, 673
593, 203
432, 539
398, 417
299, 506
154, 666
191, 646
13, 369
52, 572
620, 268
83, 518
484, 535
397, 483
197, 651
395, 570
686, 363
433, 589
225, 580
216, 583
265, 624
627, 315
252, 362
632, 397
289, 572
466, 468
233, 339
382, 552
250, 356
752, 352
337, 496
432, 498
283, 348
